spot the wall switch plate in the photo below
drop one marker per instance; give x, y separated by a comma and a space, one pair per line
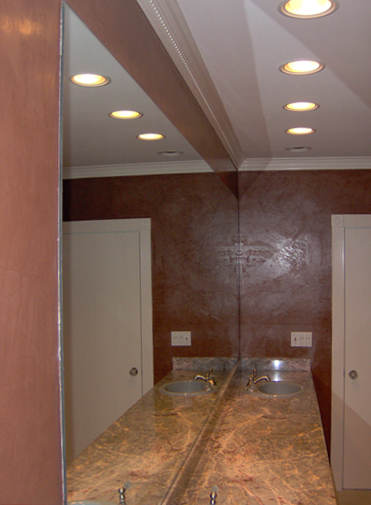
181, 338
301, 339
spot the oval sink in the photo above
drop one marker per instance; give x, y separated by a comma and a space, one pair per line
90, 502
187, 388
275, 389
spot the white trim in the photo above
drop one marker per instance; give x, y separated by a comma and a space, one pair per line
200, 166
345, 163
177, 167
146, 305
337, 381
339, 223
168, 21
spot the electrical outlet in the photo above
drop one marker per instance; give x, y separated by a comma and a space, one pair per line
181, 338
301, 339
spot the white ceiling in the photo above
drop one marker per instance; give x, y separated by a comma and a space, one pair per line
239, 46
244, 42
90, 136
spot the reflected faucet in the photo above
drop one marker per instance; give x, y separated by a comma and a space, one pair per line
213, 495
253, 379
207, 378
122, 495
122, 490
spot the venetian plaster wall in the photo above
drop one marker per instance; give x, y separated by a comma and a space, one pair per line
285, 231
285, 259
194, 244
30, 448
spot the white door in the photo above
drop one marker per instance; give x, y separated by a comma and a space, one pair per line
106, 309
352, 305
357, 413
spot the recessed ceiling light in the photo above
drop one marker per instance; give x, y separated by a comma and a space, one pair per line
90, 80
302, 67
300, 131
298, 149
150, 136
171, 153
125, 114
301, 106
307, 9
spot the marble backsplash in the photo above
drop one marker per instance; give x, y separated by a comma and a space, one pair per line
225, 364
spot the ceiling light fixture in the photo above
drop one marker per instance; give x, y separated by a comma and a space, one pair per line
302, 67
307, 9
300, 131
171, 153
125, 114
90, 80
150, 136
298, 149
301, 106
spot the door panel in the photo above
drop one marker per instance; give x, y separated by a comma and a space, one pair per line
102, 329
357, 393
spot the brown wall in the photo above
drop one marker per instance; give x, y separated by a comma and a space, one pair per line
285, 258
194, 244
30, 455
285, 230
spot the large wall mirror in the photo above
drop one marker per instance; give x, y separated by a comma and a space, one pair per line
96, 145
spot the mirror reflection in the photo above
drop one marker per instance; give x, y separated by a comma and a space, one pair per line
190, 219
91, 137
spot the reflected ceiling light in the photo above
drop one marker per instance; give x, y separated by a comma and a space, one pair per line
308, 9
301, 106
150, 136
90, 80
126, 114
171, 153
298, 149
302, 67
300, 131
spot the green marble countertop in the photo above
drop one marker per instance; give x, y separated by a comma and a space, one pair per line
173, 450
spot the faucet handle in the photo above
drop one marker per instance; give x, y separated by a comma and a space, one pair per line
213, 495
252, 378
122, 495
209, 373
122, 490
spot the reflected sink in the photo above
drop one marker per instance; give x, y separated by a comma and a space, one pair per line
187, 388
275, 389
90, 502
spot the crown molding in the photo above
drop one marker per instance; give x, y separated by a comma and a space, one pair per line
345, 163
199, 166
177, 167
171, 27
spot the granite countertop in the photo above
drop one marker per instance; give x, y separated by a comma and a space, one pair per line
147, 446
257, 451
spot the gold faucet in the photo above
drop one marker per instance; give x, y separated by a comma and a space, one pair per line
253, 379
208, 379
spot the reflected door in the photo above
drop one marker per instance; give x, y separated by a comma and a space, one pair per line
102, 318
357, 394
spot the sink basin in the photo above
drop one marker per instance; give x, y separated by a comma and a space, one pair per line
187, 388
90, 502
275, 389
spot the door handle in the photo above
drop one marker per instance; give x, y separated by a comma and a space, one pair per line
133, 371
353, 374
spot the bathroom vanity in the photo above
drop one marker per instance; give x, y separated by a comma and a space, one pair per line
174, 450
